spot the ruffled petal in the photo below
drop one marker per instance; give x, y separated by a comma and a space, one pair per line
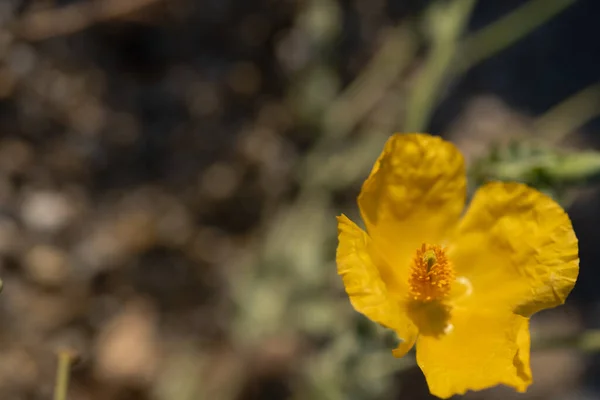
518, 249
414, 194
523, 351
480, 350
367, 291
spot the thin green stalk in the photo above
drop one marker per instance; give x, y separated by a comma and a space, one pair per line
352, 108
447, 49
570, 114
587, 341
506, 31
65, 358
394, 56
447, 23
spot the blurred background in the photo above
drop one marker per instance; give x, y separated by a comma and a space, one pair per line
170, 171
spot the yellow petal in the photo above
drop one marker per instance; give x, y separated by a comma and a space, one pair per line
523, 352
517, 247
368, 293
480, 350
414, 194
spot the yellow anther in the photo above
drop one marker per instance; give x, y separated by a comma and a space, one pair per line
431, 274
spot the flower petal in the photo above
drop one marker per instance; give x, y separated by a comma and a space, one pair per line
414, 194
367, 291
523, 352
517, 247
480, 351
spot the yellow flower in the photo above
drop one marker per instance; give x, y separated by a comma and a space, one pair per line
461, 289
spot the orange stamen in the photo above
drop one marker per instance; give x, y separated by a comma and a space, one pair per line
431, 275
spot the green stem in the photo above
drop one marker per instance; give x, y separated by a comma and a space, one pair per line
447, 23
570, 114
506, 31
65, 359
588, 341
394, 56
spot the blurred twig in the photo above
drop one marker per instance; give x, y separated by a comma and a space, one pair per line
65, 357
353, 106
446, 23
506, 31
570, 114
449, 22
333, 171
44, 24
588, 341
395, 53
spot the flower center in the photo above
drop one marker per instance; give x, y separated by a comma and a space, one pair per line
431, 275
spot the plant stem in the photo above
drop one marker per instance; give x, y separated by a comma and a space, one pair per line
570, 114
506, 31
446, 23
65, 358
